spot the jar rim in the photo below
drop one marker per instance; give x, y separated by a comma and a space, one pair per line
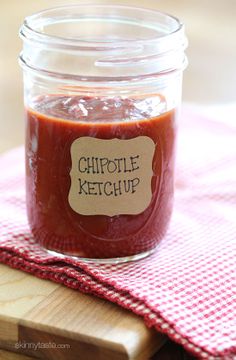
100, 41
29, 29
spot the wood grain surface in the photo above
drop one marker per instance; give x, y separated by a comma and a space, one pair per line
34, 311
8, 355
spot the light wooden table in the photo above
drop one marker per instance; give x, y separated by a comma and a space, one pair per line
210, 77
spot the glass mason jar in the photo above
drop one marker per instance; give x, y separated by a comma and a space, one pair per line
102, 87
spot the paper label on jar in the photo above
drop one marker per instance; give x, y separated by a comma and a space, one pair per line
111, 177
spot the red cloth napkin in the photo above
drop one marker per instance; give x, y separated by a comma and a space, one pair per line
187, 288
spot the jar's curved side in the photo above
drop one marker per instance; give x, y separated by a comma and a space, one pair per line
103, 87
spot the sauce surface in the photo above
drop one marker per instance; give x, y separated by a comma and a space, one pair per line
54, 124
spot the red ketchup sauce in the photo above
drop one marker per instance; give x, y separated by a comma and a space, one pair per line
52, 126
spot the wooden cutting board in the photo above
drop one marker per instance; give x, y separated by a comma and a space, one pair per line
66, 324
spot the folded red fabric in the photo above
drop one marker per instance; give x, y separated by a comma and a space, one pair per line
187, 288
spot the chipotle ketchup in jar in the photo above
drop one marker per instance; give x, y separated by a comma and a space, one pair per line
102, 89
